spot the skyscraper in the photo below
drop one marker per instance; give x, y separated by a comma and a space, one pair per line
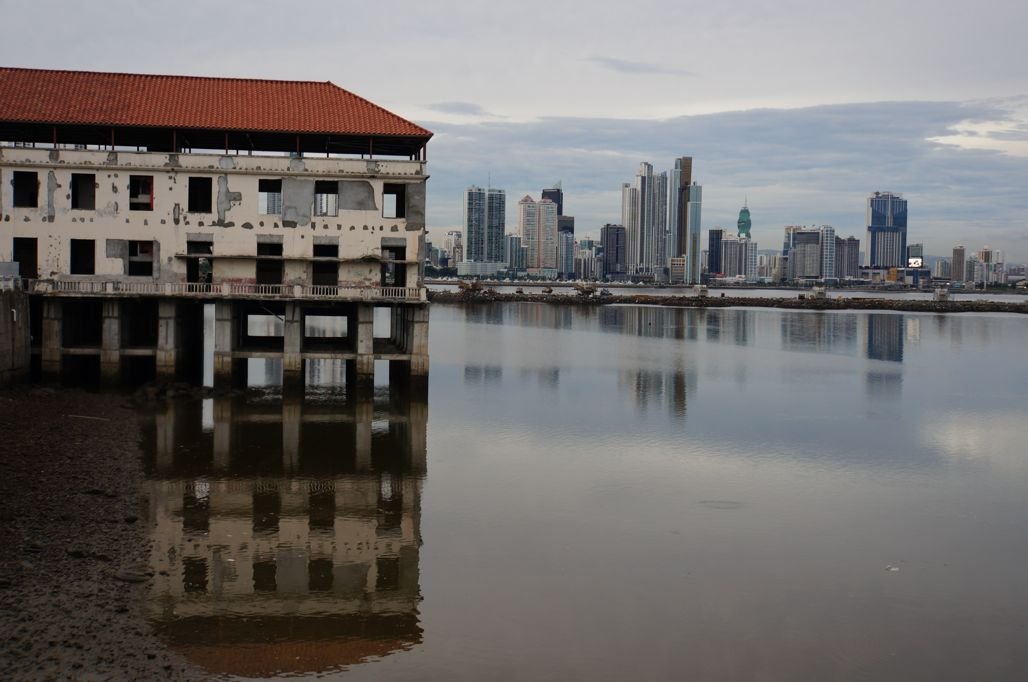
744, 222
714, 238
804, 253
484, 224
957, 266
886, 231
847, 257
680, 178
612, 237
565, 254
827, 251
693, 266
644, 211
537, 225
556, 195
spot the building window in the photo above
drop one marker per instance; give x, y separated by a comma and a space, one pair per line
26, 189
83, 191
140, 192
325, 273
394, 200
140, 263
200, 194
83, 257
269, 264
269, 197
326, 197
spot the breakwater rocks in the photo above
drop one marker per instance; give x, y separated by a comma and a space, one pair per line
717, 301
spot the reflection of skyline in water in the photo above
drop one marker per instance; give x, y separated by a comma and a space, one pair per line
287, 533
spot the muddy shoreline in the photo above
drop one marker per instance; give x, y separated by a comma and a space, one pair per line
75, 532
716, 301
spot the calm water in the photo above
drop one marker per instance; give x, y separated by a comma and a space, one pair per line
615, 493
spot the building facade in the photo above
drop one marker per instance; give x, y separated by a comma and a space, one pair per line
485, 212
886, 231
146, 199
612, 239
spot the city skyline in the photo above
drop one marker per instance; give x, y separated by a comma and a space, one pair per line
804, 139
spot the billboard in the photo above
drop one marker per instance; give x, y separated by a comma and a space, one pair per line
915, 262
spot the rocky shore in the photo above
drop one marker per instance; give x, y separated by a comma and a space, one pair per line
716, 301
74, 531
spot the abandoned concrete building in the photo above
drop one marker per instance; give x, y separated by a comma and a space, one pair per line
129, 202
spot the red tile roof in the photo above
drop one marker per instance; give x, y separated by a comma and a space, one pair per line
192, 102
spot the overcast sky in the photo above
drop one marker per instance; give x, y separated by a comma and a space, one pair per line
803, 107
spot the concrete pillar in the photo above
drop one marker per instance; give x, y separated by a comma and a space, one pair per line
292, 346
364, 412
225, 338
167, 339
292, 421
364, 365
110, 343
222, 434
50, 344
418, 334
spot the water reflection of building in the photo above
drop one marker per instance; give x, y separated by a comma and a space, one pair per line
885, 333
286, 539
650, 389
652, 322
820, 332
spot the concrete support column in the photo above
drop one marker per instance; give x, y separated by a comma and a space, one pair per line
50, 344
222, 434
418, 334
364, 412
225, 338
364, 365
167, 339
292, 346
292, 421
110, 344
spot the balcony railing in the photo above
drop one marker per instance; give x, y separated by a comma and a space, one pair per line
223, 290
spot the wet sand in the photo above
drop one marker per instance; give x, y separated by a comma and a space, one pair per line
73, 530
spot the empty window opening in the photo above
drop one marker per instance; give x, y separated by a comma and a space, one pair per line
26, 255
140, 192
269, 197
269, 264
26, 189
200, 195
272, 249
83, 257
199, 269
140, 263
325, 274
394, 200
326, 197
326, 251
83, 191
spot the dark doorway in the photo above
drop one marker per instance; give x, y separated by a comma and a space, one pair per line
269, 268
325, 273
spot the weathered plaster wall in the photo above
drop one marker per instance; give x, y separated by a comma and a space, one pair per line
235, 221
14, 337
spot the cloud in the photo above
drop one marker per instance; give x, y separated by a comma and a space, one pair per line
461, 109
633, 67
808, 165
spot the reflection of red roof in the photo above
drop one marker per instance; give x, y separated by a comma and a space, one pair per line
265, 646
87, 98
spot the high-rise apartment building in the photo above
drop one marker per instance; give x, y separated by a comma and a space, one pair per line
804, 253
847, 257
734, 256
537, 225
612, 239
644, 211
956, 269
679, 180
693, 263
886, 231
514, 253
828, 251
484, 224
565, 254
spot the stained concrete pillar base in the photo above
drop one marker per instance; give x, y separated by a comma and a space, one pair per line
52, 341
